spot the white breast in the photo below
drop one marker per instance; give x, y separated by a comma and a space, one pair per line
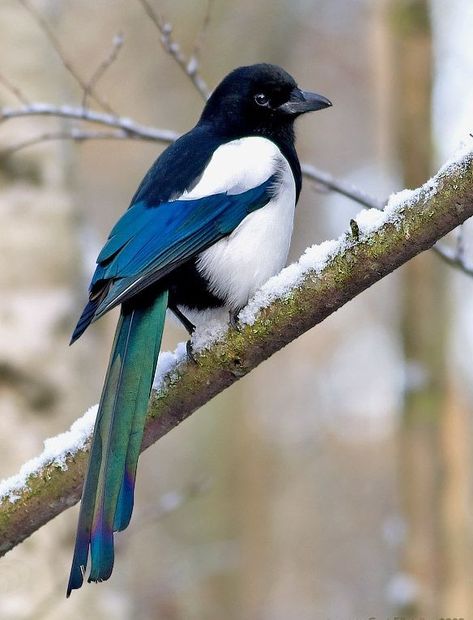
257, 249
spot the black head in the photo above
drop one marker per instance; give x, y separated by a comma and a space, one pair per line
260, 99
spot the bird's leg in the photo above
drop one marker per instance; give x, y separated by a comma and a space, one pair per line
190, 327
234, 320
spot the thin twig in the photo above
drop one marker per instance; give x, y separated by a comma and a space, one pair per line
450, 256
171, 47
117, 44
341, 187
14, 90
133, 129
54, 41
75, 134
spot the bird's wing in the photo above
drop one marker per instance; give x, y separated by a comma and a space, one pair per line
151, 239
160, 239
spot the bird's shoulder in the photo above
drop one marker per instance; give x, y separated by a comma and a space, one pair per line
202, 163
178, 168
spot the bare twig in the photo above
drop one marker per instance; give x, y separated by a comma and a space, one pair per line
75, 134
188, 66
450, 256
14, 90
329, 182
43, 24
117, 44
133, 129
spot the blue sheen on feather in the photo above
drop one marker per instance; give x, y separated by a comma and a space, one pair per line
107, 498
150, 241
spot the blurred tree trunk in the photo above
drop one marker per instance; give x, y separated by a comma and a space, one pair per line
40, 380
423, 324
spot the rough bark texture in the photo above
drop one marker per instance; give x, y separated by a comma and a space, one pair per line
362, 263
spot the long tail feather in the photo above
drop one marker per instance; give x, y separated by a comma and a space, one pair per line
107, 499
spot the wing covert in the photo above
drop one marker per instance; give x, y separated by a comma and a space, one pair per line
149, 242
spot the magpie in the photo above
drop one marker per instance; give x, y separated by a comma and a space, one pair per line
209, 224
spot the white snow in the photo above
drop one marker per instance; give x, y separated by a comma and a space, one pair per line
168, 361
56, 450
369, 221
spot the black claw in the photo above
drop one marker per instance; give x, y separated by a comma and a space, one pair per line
189, 326
235, 321
190, 353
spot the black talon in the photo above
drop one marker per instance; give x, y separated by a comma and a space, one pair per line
189, 326
190, 352
235, 321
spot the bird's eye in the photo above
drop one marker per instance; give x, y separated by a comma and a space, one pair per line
262, 99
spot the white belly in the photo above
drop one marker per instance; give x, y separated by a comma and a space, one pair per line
257, 249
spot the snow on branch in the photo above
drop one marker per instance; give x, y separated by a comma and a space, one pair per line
325, 278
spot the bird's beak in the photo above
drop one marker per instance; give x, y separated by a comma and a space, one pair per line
302, 101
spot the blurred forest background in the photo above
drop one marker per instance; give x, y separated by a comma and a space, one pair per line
334, 482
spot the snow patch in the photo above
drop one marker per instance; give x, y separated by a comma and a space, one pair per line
56, 450
369, 221
168, 361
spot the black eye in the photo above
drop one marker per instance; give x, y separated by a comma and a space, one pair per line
262, 99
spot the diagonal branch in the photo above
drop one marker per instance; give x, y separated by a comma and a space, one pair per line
97, 75
190, 66
14, 90
303, 295
455, 257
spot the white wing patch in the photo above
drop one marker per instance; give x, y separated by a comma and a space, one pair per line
237, 166
257, 249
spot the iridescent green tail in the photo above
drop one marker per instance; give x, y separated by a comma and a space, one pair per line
107, 498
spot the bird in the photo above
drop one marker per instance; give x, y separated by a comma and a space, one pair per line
210, 222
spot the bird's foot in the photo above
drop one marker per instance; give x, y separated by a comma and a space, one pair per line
235, 321
190, 352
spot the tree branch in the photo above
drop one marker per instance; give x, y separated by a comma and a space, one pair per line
54, 41
327, 181
132, 128
190, 66
14, 90
455, 257
74, 133
326, 277
117, 44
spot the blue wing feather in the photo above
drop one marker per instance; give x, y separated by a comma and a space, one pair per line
148, 242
